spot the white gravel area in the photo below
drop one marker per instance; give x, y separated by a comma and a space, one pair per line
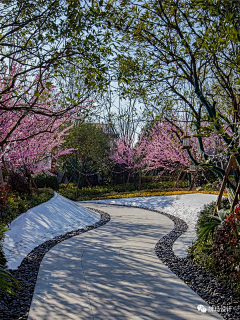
60, 215
44, 222
184, 206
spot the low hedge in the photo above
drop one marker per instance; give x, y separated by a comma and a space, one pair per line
91, 193
44, 180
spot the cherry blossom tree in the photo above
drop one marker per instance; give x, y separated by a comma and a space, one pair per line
29, 133
164, 149
123, 154
160, 148
130, 156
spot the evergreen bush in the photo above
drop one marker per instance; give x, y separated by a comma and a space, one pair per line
44, 180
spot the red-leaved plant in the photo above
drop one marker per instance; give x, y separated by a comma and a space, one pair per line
227, 247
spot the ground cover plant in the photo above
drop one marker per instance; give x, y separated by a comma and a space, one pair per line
218, 250
90, 193
119, 191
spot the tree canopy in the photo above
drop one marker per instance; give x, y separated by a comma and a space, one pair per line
53, 39
91, 146
182, 57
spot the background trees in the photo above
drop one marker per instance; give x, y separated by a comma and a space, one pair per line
157, 149
180, 56
90, 143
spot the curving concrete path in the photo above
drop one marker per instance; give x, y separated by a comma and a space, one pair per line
112, 273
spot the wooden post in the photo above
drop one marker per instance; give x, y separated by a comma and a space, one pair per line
68, 182
178, 178
235, 200
64, 177
193, 180
225, 178
234, 163
89, 184
184, 175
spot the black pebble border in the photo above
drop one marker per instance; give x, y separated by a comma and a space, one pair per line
205, 284
17, 308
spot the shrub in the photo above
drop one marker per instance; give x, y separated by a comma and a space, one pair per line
18, 182
4, 208
227, 249
2, 256
220, 254
44, 180
19, 203
208, 211
70, 192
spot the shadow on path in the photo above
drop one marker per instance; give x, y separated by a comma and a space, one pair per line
113, 273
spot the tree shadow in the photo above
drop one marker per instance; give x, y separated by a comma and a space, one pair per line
113, 273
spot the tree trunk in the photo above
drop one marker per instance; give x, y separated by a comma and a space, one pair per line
64, 177
1, 178
127, 180
139, 180
79, 178
134, 181
33, 182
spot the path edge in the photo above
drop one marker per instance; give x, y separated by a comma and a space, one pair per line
17, 308
220, 298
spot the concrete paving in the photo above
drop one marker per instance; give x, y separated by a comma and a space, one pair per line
112, 273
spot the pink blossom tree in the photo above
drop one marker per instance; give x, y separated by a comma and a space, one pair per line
161, 148
30, 123
155, 149
164, 149
130, 156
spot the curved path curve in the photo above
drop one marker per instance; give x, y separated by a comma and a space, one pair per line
113, 273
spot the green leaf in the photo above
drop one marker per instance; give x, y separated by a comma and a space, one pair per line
48, 85
5, 285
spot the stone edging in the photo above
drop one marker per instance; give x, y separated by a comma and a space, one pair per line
205, 284
16, 308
